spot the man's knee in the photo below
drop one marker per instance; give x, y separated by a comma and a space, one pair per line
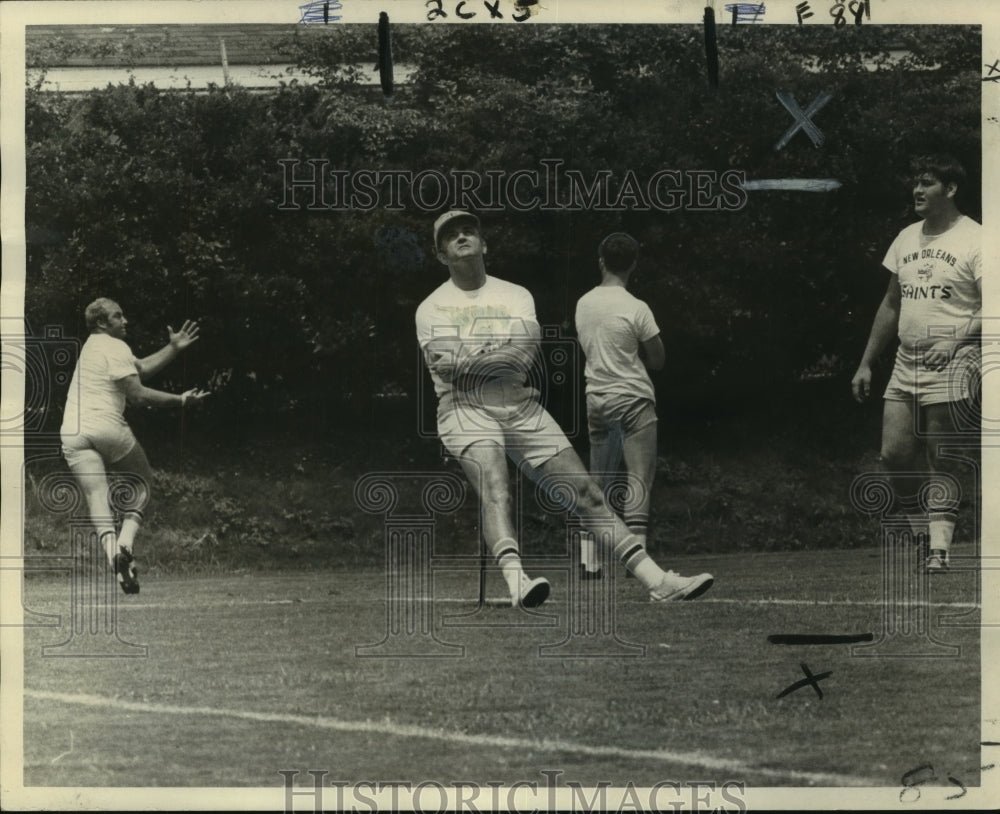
900, 451
896, 458
494, 484
590, 498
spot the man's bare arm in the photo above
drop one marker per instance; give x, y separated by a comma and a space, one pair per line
654, 355
508, 358
138, 394
179, 340
884, 329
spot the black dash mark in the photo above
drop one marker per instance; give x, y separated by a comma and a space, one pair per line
326, 13
809, 680
820, 638
384, 54
921, 774
711, 47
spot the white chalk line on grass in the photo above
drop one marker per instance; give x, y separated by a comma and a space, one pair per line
734, 768
497, 601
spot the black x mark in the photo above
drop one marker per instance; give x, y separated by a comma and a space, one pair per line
803, 120
805, 682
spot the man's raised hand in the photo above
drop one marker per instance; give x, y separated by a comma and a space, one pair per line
188, 333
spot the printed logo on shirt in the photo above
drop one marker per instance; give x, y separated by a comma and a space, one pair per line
925, 292
930, 254
481, 321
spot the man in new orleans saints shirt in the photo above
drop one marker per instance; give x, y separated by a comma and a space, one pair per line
934, 305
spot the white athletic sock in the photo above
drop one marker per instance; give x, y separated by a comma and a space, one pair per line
634, 557
508, 557
110, 542
588, 553
942, 529
648, 572
513, 574
130, 525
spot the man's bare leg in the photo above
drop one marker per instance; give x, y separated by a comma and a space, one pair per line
610, 530
485, 466
88, 469
943, 499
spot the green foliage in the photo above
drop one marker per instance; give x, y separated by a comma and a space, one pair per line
169, 201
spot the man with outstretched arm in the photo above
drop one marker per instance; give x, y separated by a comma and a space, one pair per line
95, 435
480, 337
934, 305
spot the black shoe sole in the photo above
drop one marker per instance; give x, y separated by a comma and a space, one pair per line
699, 590
536, 596
126, 575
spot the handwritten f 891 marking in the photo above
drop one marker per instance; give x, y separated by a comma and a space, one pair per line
859, 8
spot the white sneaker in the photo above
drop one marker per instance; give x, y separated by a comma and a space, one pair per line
673, 587
936, 562
533, 592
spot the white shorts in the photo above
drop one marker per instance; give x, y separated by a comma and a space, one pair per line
622, 413
910, 380
524, 429
111, 441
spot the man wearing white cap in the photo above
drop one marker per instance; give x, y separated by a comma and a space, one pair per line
479, 336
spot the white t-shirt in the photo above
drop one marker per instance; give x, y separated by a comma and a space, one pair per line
611, 323
938, 277
95, 397
496, 311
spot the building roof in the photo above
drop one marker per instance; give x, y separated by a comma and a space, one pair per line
162, 45
80, 58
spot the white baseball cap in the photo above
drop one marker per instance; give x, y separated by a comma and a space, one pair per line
448, 217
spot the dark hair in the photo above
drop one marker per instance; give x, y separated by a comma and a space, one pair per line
619, 252
947, 169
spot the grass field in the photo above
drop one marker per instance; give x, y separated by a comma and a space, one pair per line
248, 675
